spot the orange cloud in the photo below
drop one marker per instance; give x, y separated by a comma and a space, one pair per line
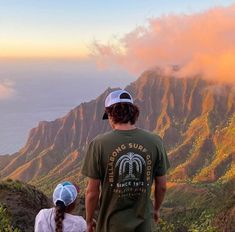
6, 90
202, 43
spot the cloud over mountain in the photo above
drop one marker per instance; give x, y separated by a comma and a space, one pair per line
200, 43
6, 89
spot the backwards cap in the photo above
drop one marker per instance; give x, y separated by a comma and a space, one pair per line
65, 192
117, 97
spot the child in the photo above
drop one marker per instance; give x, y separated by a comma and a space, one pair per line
59, 219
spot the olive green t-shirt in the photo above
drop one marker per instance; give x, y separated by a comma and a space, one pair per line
126, 162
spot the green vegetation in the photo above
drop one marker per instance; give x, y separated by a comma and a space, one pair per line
20, 187
195, 207
5, 221
202, 224
163, 226
188, 207
19, 205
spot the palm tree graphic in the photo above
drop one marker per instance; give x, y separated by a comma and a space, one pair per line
130, 159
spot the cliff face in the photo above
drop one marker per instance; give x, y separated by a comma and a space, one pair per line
51, 143
195, 118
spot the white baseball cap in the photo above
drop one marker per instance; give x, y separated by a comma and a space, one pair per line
117, 96
65, 192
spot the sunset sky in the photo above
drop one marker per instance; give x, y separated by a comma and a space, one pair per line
52, 50
59, 28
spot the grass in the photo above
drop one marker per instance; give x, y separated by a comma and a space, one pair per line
195, 207
5, 221
20, 203
18, 186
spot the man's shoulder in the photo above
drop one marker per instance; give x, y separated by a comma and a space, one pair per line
110, 135
104, 136
152, 136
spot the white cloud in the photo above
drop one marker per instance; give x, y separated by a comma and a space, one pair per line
7, 90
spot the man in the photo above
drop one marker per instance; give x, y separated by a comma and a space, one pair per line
121, 166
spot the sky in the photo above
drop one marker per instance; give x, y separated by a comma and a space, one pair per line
52, 50
200, 43
59, 28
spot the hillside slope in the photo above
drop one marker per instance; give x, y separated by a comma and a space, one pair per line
22, 202
200, 207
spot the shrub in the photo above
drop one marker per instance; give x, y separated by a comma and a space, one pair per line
5, 221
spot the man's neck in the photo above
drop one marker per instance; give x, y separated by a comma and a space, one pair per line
125, 126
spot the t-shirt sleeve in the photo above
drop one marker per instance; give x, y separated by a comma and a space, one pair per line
39, 222
162, 162
79, 224
83, 226
91, 163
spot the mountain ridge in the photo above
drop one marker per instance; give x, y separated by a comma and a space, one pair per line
190, 114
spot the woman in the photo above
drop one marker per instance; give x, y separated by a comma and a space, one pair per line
58, 218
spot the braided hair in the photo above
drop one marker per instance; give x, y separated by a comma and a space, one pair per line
59, 215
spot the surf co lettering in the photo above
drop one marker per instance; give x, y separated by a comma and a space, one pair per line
129, 167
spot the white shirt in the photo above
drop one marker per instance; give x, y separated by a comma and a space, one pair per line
45, 222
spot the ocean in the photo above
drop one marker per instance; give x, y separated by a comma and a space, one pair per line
33, 91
